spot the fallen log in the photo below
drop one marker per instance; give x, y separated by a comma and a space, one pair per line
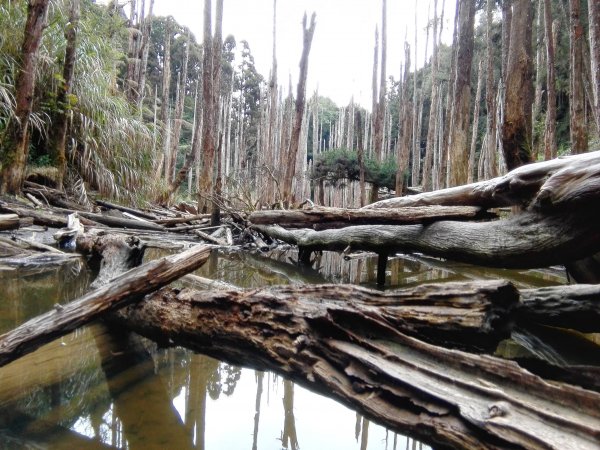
9, 221
353, 351
323, 218
127, 288
135, 212
121, 222
570, 180
527, 240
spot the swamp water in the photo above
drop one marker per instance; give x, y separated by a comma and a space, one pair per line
103, 388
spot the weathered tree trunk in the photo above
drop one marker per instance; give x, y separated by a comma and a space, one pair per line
472, 167
360, 156
458, 162
178, 119
14, 144
489, 168
58, 131
560, 183
125, 289
308, 32
165, 105
206, 180
577, 98
526, 241
144, 50
403, 145
216, 103
323, 218
540, 50
550, 129
354, 352
516, 129
507, 16
594, 21
433, 113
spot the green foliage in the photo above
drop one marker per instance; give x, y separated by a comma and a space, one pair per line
337, 165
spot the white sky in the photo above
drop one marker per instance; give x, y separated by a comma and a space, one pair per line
341, 58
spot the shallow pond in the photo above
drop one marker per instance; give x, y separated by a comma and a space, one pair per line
102, 388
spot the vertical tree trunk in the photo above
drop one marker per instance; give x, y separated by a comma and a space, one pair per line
179, 105
540, 50
144, 50
165, 102
577, 104
550, 129
404, 138
594, 21
461, 103
58, 131
132, 52
516, 129
431, 130
14, 144
507, 16
208, 115
308, 33
361, 156
445, 146
217, 43
472, 167
273, 112
489, 168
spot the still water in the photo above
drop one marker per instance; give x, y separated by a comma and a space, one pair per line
100, 387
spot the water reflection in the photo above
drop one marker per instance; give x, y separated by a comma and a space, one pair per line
103, 388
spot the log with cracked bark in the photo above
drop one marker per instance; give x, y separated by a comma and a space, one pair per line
323, 218
355, 352
566, 181
526, 240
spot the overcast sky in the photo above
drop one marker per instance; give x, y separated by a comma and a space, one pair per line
341, 58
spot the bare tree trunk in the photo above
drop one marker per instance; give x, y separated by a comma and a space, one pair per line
550, 129
164, 105
445, 146
539, 62
472, 166
273, 112
516, 129
594, 20
308, 33
132, 52
179, 105
577, 101
490, 99
507, 16
361, 157
216, 104
431, 130
208, 115
14, 144
144, 50
58, 133
461, 102
403, 144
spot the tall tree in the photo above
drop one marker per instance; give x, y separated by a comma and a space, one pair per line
576, 65
216, 104
308, 32
14, 144
550, 129
489, 167
58, 132
594, 21
516, 129
165, 102
461, 103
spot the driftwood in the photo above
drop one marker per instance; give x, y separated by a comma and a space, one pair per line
9, 221
572, 180
127, 288
524, 241
323, 218
135, 212
352, 350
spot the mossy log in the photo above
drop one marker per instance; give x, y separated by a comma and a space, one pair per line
353, 350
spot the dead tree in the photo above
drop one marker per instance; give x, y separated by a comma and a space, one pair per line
578, 124
308, 32
550, 129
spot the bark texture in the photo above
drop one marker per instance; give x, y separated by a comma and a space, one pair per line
14, 144
516, 129
355, 353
